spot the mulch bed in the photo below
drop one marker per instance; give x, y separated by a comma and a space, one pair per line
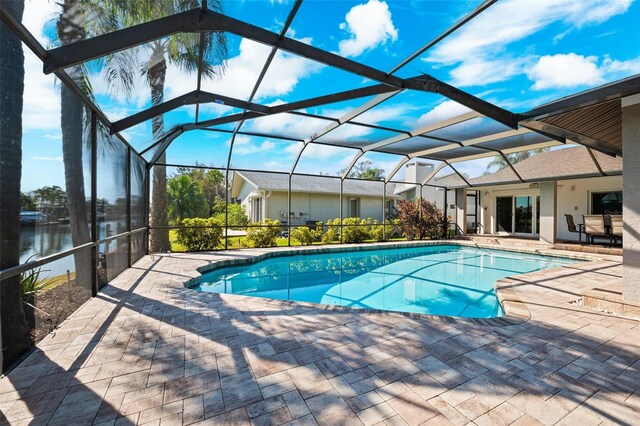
55, 304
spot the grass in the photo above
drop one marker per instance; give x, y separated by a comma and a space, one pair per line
176, 247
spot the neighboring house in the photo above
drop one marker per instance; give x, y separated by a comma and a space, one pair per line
416, 173
567, 180
313, 198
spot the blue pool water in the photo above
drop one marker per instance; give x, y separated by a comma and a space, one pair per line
441, 280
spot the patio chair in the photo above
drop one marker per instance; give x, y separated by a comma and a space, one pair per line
594, 226
579, 229
616, 228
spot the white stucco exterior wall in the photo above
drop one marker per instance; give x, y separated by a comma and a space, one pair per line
319, 207
631, 200
573, 197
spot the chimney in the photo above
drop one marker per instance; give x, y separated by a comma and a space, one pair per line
417, 171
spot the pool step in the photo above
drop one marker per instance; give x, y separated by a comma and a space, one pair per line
504, 241
534, 243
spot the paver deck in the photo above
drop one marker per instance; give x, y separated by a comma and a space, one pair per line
149, 351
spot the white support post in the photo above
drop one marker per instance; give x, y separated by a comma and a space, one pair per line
631, 198
548, 212
461, 211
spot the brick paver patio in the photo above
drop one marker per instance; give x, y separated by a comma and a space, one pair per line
149, 351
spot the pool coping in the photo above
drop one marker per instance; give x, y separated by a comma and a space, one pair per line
515, 309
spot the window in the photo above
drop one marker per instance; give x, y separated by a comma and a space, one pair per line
354, 207
255, 210
391, 211
609, 202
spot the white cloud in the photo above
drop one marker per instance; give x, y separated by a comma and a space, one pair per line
632, 66
55, 136
36, 14
513, 20
236, 81
487, 70
41, 101
286, 124
369, 26
568, 70
477, 50
242, 72
572, 70
442, 111
57, 159
249, 148
375, 115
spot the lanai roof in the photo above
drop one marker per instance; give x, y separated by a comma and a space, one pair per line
355, 116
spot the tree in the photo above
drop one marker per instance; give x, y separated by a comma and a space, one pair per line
364, 170
237, 214
499, 162
73, 118
181, 49
15, 337
50, 199
27, 202
211, 181
186, 199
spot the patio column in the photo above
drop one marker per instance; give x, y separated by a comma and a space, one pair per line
548, 196
631, 197
461, 216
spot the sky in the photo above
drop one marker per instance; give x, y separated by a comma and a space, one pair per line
517, 54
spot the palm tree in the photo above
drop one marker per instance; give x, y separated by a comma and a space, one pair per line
186, 198
73, 117
15, 337
178, 49
499, 162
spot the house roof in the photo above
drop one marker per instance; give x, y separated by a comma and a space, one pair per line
310, 184
561, 164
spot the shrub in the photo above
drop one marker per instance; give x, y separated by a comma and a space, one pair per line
31, 283
354, 230
263, 237
303, 234
376, 231
238, 218
419, 220
393, 229
308, 236
333, 231
199, 234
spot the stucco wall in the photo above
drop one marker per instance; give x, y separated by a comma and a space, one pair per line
246, 191
319, 207
573, 198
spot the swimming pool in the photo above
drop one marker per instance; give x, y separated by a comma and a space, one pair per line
447, 280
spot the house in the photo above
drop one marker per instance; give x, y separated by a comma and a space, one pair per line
571, 181
419, 172
313, 198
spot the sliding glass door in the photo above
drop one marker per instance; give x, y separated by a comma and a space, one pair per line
518, 214
524, 215
504, 214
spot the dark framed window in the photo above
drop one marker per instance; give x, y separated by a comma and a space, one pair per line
609, 202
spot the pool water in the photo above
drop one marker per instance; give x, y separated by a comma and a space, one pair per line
441, 280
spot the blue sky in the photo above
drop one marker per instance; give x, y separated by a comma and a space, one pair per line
518, 54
